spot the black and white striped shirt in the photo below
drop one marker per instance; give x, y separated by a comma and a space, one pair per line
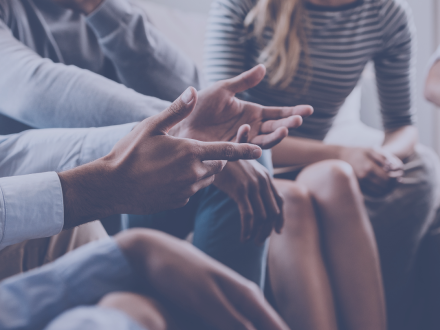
341, 40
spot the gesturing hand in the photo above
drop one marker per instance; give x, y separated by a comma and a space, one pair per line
219, 114
83, 6
376, 169
148, 170
197, 284
249, 184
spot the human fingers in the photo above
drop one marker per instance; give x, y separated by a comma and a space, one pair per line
302, 110
246, 216
243, 134
259, 211
268, 195
176, 112
289, 122
227, 151
379, 158
279, 223
246, 80
378, 176
267, 141
264, 232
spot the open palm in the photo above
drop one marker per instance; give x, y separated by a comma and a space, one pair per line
219, 114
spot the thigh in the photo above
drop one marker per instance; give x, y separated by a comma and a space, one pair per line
400, 221
217, 233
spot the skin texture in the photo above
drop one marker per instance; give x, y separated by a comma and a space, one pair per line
432, 84
249, 184
198, 288
140, 177
219, 114
377, 169
326, 254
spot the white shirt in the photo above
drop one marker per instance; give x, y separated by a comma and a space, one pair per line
31, 205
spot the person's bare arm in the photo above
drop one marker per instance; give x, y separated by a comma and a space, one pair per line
401, 142
298, 151
375, 168
200, 287
432, 84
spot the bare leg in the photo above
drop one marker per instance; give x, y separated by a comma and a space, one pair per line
298, 277
145, 311
348, 244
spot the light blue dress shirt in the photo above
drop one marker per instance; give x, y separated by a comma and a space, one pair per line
31, 205
61, 295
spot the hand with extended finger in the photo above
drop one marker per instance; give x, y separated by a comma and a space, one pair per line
219, 114
83, 6
148, 170
376, 169
165, 171
182, 276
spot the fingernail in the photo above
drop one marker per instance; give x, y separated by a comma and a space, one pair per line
187, 96
256, 153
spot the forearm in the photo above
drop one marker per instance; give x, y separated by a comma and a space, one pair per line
144, 59
44, 94
298, 151
45, 150
401, 142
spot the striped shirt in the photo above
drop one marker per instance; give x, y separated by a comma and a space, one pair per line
341, 41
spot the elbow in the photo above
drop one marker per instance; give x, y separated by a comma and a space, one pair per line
430, 92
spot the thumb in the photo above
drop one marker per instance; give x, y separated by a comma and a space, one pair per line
176, 112
243, 134
246, 80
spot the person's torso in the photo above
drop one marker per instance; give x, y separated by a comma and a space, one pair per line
56, 33
340, 42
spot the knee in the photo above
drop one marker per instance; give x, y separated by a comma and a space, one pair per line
143, 310
329, 176
299, 212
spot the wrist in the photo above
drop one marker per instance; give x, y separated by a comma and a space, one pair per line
86, 193
338, 152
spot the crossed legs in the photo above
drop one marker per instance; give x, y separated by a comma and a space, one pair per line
326, 257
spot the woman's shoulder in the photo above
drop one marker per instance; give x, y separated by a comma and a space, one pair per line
239, 7
387, 7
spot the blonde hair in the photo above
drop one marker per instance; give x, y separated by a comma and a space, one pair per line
282, 54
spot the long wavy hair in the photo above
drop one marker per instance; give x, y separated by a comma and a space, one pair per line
282, 54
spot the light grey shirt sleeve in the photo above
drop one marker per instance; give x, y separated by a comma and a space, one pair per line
30, 301
31, 205
93, 318
144, 59
44, 94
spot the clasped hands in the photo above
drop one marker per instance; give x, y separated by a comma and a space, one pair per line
376, 169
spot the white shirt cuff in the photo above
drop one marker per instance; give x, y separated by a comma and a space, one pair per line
31, 206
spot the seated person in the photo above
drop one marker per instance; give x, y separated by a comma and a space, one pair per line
67, 68
140, 280
146, 171
355, 216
